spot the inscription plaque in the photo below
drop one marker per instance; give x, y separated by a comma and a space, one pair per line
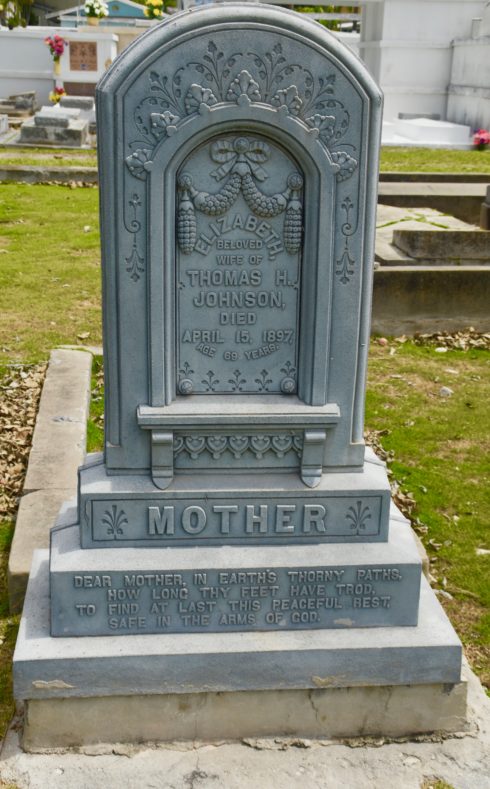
233, 599
212, 520
83, 55
239, 229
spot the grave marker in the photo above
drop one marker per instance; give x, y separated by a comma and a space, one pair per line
238, 195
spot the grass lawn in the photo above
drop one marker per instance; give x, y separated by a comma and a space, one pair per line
398, 160
44, 157
433, 160
49, 269
50, 295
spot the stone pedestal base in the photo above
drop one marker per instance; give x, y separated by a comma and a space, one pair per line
317, 683
390, 711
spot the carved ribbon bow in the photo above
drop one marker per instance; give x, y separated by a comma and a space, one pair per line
243, 151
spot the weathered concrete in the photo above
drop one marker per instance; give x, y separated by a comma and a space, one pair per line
435, 245
36, 515
462, 761
58, 445
330, 712
462, 200
58, 448
408, 299
390, 219
37, 174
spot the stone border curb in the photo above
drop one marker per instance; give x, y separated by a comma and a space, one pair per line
58, 448
38, 175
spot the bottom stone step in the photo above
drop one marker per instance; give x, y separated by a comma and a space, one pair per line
115, 591
310, 683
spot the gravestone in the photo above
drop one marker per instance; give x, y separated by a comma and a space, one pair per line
55, 125
235, 518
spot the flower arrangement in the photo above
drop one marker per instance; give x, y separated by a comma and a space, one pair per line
481, 139
56, 46
56, 95
97, 9
153, 9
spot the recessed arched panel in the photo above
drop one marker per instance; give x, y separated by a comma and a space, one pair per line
239, 243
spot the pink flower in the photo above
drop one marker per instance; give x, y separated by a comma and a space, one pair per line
481, 137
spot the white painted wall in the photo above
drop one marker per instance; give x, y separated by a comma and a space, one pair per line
469, 89
406, 44
25, 62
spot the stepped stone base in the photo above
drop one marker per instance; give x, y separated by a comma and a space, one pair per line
333, 712
310, 683
210, 589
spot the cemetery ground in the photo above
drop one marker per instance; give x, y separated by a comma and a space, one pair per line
427, 404
401, 160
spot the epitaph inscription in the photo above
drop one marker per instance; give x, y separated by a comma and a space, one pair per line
211, 600
239, 230
214, 520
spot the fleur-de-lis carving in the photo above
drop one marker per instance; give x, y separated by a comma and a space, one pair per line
210, 382
358, 517
115, 519
237, 381
135, 263
345, 265
264, 381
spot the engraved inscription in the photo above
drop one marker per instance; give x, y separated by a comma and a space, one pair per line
238, 519
239, 599
238, 268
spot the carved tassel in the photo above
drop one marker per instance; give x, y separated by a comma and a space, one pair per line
293, 222
186, 218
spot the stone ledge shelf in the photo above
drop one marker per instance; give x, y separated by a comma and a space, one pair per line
208, 412
220, 416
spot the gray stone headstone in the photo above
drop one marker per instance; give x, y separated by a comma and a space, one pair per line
238, 174
238, 188
4, 124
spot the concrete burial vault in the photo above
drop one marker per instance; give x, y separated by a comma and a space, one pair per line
233, 549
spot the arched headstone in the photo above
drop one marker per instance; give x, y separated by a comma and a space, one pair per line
238, 169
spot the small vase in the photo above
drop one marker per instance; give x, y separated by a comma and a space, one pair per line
57, 68
93, 20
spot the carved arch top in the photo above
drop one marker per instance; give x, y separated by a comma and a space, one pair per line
270, 79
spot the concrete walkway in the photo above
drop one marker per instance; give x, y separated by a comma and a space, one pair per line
462, 761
